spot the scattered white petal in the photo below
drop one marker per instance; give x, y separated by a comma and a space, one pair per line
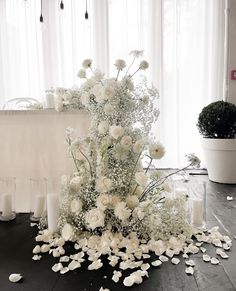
230, 198
145, 267
37, 249
74, 265
36, 257
102, 289
56, 253
203, 250
206, 258
190, 263
226, 247
116, 276
199, 244
163, 259
189, 271
146, 256
64, 259
32, 224
14, 278
156, 263
95, 265
64, 270
214, 261
45, 248
170, 253
217, 242
128, 281
185, 256
57, 267
175, 261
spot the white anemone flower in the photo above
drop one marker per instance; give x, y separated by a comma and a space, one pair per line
156, 150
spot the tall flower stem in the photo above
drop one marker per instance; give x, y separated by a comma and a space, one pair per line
135, 72
130, 66
135, 165
117, 75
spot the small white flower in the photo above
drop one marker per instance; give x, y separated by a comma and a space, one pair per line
156, 150
108, 109
137, 53
103, 184
120, 64
141, 178
95, 218
138, 146
116, 131
121, 211
76, 206
103, 127
126, 141
81, 74
67, 232
87, 63
143, 65
14, 278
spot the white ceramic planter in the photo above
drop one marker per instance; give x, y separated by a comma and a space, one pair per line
220, 155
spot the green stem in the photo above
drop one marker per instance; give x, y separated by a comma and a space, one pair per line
130, 66
90, 168
135, 73
117, 75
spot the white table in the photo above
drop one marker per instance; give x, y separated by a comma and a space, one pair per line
32, 146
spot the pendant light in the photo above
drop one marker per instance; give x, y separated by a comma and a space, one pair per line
86, 12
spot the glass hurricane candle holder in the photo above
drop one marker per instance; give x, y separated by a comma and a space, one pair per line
197, 203
7, 190
38, 192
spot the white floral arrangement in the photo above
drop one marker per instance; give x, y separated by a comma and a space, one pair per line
111, 202
66, 99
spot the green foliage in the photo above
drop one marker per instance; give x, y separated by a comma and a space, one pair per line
218, 120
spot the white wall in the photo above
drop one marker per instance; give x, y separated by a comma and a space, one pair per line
232, 49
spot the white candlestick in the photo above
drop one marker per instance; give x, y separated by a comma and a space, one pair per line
39, 206
50, 100
52, 211
6, 205
197, 211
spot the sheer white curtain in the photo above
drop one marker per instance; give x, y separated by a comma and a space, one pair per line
182, 40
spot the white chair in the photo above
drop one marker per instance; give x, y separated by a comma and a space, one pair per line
22, 103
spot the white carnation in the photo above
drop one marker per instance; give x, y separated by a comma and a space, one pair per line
143, 65
120, 64
156, 150
85, 98
87, 63
67, 232
103, 184
76, 206
108, 109
141, 178
121, 211
103, 127
95, 218
81, 74
126, 141
138, 146
116, 131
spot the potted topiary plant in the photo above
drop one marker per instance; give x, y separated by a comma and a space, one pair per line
217, 125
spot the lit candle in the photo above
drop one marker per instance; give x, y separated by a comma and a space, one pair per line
6, 205
197, 211
39, 206
52, 211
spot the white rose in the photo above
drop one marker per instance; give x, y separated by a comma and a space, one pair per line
108, 92
95, 218
141, 178
120, 64
121, 211
85, 98
87, 63
138, 146
103, 201
116, 131
103, 127
67, 232
76, 206
126, 141
108, 109
132, 201
156, 150
143, 65
81, 74
103, 184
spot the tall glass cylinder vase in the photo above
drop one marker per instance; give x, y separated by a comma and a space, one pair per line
38, 192
7, 198
198, 204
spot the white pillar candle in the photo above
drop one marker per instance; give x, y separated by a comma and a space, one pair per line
6, 205
52, 211
39, 206
50, 100
197, 211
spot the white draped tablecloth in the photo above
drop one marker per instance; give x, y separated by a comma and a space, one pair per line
33, 145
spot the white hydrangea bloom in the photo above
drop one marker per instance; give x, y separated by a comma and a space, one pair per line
141, 178
103, 184
116, 131
120, 64
121, 211
87, 63
156, 150
95, 218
